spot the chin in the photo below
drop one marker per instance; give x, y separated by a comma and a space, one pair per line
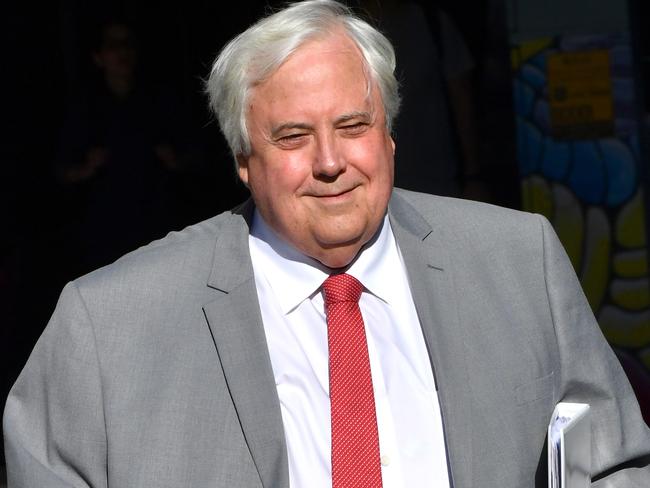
340, 253
339, 258
340, 240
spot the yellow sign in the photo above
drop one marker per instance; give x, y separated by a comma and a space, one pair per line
580, 94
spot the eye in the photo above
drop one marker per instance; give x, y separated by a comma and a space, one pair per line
355, 128
292, 140
290, 137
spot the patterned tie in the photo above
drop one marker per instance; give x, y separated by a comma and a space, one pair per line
355, 441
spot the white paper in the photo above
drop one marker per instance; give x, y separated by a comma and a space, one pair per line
569, 446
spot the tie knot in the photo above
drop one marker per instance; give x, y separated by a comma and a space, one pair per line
342, 288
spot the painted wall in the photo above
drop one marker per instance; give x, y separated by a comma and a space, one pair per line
581, 158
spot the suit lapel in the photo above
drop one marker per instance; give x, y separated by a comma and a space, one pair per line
235, 322
430, 270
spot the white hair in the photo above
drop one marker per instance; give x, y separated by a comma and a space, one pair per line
260, 50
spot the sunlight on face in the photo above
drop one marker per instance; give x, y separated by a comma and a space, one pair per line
321, 163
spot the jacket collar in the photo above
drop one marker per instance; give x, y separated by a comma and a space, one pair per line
235, 322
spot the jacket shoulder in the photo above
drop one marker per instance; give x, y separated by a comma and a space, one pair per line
466, 217
180, 260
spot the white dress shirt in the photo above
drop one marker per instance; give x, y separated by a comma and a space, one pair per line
288, 284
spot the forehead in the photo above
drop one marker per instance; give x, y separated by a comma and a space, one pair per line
321, 73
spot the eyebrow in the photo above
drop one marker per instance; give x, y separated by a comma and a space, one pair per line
354, 115
365, 115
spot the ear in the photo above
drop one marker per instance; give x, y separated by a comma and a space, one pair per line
242, 168
392, 143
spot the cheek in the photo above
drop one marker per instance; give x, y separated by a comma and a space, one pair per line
373, 159
292, 172
277, 180
294, 169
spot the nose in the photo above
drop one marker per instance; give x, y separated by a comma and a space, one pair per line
328, 161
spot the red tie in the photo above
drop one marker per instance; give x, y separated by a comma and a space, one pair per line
355, 442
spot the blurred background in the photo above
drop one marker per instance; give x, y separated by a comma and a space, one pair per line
537, 105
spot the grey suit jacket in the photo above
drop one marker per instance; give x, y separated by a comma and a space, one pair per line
154, 371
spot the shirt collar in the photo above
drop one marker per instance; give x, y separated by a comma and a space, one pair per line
377, 263
293, 276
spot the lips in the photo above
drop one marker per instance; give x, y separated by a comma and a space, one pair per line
333, 193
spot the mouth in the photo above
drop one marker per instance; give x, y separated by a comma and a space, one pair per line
334, 193
336, 197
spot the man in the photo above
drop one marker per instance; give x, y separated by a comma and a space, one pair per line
120, 149
209, 358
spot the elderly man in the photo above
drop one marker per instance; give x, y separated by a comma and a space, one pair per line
330, 332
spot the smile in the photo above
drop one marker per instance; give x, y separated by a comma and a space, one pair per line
334, 197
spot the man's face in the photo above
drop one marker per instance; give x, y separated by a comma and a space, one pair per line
116, 56
321, 164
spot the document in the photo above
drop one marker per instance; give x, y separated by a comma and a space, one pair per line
569, 446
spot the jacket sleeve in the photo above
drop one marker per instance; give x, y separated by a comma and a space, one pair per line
591, 373
54, 425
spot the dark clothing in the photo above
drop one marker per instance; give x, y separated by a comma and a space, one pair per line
125, 202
